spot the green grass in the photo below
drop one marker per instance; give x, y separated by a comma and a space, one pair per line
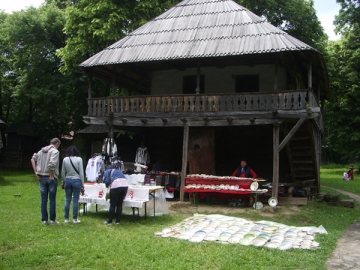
26, 244
332, 175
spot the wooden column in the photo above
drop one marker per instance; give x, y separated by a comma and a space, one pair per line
310, 75
113, 85
275, 160
90, 86
198, 76
184, 160
276, 75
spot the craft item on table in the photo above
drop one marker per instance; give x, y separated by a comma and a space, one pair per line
224, 229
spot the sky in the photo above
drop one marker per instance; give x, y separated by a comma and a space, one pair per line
326, 11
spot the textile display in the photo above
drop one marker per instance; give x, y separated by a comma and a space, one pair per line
94, 168
109, 147
225, 229
142, 155
95, 196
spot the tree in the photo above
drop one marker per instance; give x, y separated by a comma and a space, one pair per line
42, 94
296, 17
92, 26
343, 110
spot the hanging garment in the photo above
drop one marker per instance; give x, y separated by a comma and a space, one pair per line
109, 147
142, 155
94, 168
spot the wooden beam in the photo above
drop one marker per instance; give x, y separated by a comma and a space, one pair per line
275, 183
291, 133
310, 75
184, 160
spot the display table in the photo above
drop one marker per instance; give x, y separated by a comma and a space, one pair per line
137, 197
220, 187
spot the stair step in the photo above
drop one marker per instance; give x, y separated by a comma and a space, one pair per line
303, 161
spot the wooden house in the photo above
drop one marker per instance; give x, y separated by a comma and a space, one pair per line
21, 143
211, 82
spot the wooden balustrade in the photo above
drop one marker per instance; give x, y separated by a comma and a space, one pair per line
290, 100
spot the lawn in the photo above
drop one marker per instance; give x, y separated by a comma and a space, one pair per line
27, 244
332, 175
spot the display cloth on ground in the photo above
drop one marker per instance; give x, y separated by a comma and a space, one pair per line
233, 230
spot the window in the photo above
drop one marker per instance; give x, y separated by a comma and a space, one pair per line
246, 83
189, 84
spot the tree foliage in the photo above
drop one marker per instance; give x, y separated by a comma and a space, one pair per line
42, 94
343, 110
91, 26
296, 17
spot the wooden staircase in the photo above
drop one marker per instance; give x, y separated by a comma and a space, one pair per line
302, 153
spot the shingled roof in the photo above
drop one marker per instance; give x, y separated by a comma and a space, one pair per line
198, 29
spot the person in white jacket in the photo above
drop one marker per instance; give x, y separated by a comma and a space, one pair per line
72, 174
45, 164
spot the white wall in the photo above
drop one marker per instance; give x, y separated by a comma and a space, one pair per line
217, 80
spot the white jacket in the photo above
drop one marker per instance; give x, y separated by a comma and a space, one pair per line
47, 160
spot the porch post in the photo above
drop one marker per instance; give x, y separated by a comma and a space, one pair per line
90, 86
276, 75
275, 160
310, 75
198, 75
184, 160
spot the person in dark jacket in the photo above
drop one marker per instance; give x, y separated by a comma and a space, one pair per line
118, 188
244, 170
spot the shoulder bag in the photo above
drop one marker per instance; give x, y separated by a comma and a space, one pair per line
107, 196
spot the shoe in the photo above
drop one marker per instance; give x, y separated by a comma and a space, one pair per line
117, 223
76, 221
67, 221
54, 222
107, 223
44, 222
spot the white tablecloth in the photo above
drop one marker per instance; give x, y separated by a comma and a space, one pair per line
136, 196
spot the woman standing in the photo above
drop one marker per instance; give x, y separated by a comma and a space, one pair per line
114, 178
72, 174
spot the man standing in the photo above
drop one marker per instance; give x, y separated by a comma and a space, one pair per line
45, 164
244, 170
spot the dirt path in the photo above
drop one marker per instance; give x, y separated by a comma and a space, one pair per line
346, 255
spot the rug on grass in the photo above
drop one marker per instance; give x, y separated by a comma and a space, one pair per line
225, 229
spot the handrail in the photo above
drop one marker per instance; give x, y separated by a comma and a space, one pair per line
259, 101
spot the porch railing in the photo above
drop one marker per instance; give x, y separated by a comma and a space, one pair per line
290, 100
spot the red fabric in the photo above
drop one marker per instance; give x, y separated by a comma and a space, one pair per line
218, 194
253, 174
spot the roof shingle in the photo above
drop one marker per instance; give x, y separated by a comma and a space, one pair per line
198, 28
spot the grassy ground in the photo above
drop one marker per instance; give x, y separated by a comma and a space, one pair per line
27, 244
332, 175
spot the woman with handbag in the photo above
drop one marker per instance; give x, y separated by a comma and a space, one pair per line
72, 174
116, 181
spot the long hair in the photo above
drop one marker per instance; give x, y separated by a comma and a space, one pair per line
72, 151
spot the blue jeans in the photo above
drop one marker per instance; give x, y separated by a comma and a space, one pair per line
48, 189
72, 190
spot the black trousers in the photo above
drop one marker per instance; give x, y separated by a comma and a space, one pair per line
117, 196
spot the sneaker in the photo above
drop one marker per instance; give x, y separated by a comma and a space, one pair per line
117, 223
44, 222
75, 221
67, 221
107, 223
54, 222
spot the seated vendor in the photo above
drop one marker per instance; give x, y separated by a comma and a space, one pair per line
244, 170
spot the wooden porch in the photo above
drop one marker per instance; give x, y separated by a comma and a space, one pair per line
204, 110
